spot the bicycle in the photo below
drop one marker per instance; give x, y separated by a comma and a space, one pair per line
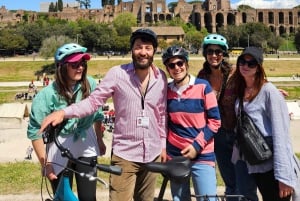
64, 191
178, 170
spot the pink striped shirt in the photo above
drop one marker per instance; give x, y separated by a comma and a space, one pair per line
130, 142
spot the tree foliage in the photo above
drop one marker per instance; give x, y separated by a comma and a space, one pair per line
297, 40
123, 23
99, 37
11, 41
50, 45
84, 3
60, 5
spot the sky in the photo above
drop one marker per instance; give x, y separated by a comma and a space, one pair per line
34, 5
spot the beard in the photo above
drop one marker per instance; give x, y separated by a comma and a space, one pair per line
141, 65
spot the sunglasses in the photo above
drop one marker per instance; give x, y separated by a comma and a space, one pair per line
251, 64
172, 65
76, 65
217, 52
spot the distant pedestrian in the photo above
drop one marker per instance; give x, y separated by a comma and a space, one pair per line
29, 151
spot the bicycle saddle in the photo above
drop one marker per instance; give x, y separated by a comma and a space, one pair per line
177, 169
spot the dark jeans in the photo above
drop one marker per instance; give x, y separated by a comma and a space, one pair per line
268, 186
86, 189
236, 178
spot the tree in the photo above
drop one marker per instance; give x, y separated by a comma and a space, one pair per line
11, 41
60, 5
84, 3
123, 23
275, 42
254, 34
50, 45
297, 40
162, 44
194, 39
51, 7
232, 34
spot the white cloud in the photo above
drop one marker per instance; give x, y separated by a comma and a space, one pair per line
267, 3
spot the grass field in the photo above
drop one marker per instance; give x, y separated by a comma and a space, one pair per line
26, 71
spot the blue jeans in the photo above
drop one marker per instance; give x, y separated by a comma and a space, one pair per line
204, 182
236, 178
245, 182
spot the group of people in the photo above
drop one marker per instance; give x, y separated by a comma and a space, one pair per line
191, 116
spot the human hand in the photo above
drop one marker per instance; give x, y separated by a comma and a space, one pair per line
49, 172
189, 152
284, 92
163, 156
54, 118
102, 146
285, 190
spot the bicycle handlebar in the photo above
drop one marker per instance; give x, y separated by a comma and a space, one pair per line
51, 134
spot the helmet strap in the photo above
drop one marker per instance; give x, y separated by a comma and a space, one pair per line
178, 82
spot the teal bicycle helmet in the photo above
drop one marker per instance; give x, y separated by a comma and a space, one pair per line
145, 34
67, 50
215, 39
175, 51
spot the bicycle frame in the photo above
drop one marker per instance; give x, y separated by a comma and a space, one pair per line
64, 191
178, 169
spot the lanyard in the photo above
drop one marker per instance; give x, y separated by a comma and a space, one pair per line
143, 96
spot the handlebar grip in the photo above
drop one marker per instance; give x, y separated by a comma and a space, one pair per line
110, 169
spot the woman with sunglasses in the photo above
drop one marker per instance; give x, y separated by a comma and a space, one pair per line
279, 177
193, 120
82, 139
218, 72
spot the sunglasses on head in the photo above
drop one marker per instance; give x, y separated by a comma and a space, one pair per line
172, 65
251, 64
75, 65
214, 51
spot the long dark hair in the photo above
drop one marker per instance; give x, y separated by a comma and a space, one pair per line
259, 80
62, 86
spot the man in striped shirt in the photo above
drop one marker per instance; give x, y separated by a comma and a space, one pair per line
138, 90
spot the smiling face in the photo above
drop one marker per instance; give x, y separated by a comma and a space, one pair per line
177, 68
214, 55
142, 54
75, 71
247, 66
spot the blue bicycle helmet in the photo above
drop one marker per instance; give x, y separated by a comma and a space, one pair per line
175, 51
215, 39
67, 50
146, 34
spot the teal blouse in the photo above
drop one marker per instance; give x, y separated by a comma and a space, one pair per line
48, 100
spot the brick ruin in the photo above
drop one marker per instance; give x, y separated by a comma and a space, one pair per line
210, 14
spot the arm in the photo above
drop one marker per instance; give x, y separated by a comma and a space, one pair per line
47, 169
100, 133
280, 133
85, 107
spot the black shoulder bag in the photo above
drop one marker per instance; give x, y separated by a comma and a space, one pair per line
253, 145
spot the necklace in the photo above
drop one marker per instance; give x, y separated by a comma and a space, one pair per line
248, 93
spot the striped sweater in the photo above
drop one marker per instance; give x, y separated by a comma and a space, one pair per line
194, 118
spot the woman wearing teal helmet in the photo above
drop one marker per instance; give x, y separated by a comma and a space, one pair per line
218, 72
71, 85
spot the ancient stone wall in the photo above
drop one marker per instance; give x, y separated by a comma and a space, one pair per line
212, 14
